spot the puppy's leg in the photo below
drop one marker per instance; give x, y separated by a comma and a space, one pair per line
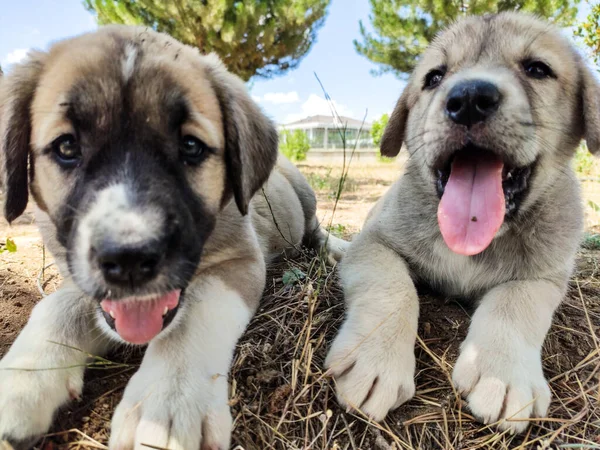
499, 369
336, 247
319, 239
178, 399
372, 358
40, 373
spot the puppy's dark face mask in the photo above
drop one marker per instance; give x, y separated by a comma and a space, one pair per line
496, 106
135, 144
132, 225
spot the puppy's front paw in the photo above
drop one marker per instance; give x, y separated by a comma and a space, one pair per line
174, 411
372, 374
502, 383
30, 398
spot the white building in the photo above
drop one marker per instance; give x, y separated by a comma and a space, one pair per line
327, 133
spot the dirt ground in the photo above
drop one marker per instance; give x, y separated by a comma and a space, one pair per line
280, 397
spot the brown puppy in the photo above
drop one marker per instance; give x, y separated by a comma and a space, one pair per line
144, 158
488, 209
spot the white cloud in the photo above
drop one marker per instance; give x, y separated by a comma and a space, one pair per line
15, 56
316, 105
256, 98
279, 98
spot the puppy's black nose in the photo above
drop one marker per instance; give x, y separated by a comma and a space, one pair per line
473, 101
132, 265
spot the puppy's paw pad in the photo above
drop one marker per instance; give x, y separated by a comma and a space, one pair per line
216, 428
174, 422
369, 377
29, 400
501, 387
486, 400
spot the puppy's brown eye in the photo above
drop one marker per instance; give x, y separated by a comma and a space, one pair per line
434, 78
66, 150
537, 70
192, 150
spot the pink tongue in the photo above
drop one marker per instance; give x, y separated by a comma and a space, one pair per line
472, 208
138, 321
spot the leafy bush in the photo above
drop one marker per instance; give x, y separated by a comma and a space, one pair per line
329, 183
377, 129
294, 144
320, 182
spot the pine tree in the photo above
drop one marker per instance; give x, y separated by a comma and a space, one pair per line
404, 28
252, 37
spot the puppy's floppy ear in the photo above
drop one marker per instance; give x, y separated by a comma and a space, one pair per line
590, 98
16, 94
251, 139
393, 136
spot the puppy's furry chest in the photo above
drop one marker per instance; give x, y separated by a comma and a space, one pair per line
416, 238
540, 244
457, 275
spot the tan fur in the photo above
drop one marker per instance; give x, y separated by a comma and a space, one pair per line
90, 53
522, 276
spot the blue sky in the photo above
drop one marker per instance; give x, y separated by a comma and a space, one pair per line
26, 24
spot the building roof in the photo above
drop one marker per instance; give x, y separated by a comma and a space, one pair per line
322, 121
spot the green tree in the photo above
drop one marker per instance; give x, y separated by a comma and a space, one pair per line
590, 31
252, 37
294, 144
404, 28
377, 128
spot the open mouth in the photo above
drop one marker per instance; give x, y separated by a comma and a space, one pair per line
478, 191
138, 320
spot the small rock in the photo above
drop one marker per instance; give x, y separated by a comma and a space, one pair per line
267, 376
381, 443
427, 329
